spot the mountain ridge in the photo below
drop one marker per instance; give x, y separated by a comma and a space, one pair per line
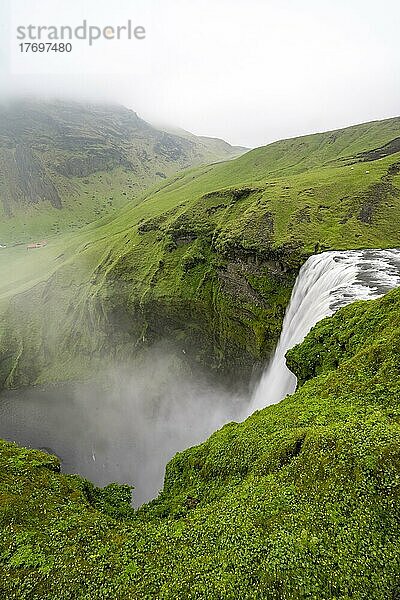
87, 160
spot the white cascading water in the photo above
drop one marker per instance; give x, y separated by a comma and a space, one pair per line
326, 282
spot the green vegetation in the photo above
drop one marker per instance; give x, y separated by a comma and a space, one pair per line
301, 501
65, 165
207, 259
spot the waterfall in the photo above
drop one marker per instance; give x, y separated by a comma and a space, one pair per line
326, 282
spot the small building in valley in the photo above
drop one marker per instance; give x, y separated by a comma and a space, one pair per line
35, 245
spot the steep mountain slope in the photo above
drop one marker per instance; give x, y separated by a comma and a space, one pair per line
65, 164
208, 259
213, 145
300, 501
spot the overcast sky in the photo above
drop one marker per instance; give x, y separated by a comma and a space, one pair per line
249, 71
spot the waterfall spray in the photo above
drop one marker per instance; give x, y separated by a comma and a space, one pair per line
326, 282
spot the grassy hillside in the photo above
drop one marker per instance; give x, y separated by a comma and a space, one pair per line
65, 164
300, 501
207, 259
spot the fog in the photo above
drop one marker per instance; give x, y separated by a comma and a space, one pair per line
126, 427
248, 71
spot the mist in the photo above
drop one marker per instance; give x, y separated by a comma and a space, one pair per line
126, 427
249, 72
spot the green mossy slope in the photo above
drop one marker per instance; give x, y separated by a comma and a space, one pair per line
208, 259
301, 501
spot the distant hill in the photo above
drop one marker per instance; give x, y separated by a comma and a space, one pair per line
65, 164
213, 145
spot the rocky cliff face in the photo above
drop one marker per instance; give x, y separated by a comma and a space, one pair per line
25, 180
